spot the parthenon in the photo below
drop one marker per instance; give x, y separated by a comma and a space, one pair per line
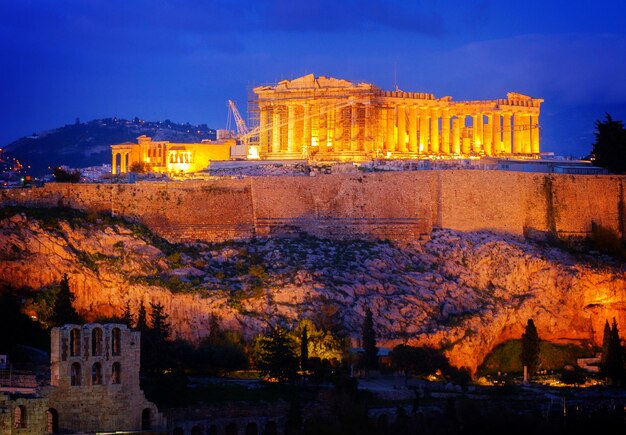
335, 119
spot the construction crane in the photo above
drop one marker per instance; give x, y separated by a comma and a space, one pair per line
243, 132
242, 128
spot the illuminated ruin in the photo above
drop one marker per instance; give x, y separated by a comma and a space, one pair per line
167, 157
332, 119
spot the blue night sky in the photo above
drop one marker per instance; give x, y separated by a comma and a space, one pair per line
182, 60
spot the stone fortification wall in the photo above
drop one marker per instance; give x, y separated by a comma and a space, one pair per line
397, 206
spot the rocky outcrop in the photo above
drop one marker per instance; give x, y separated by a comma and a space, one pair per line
466, 292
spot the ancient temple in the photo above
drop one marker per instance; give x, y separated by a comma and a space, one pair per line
334, 119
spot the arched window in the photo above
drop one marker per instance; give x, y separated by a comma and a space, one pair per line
116, 341
196, 430
146, 419
96, 341
75, 375
75, 342
96, 374
19, 417
116, 373
53, 420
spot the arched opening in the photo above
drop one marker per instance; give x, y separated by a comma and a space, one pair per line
116, 341
252, 429
196, 430
146, 419
231, 429
212, 430
53, 420
19, 417
270, 428
116, 373
179, 431
96, 341
75, 342
96, 374
75, 374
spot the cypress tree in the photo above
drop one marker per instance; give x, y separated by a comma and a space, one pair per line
530, 347
127, 316
304, 349
370, 351
63, 311
606, 340
142, 321
613, 366
160, 329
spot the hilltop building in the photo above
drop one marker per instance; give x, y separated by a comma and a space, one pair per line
334, 119
168, 157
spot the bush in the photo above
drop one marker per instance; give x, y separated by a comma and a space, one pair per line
62, 175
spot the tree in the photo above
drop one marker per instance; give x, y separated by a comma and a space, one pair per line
62, 175
127, 316
606, 341
530, 347
140, 167
304, 349
609, 149
370, 351
142, 320
275, 356
160, 327
613, 366
63, 311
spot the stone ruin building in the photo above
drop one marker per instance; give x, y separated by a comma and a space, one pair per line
341, 120
94, 385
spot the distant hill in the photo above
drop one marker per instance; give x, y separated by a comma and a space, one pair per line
88, 144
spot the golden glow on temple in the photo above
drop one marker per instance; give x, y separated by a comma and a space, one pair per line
334, 119
329, 119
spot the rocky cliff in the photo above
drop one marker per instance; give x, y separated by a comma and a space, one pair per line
466, 292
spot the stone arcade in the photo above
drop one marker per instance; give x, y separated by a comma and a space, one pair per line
340, 120
95, 381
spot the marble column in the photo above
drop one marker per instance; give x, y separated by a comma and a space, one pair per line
275, 129
291, 128
114, 164
391, 127
413, 129
488, 135
506, 132
496, 135
517, 133
306, 127
354, 127
466, 146
401, 129
535, 134
527, 134
456, 136
368, 140
263, 131
434, 131
424, 131
445, 132
330, 130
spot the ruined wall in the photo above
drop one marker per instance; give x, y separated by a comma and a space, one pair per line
87, 398
396, 206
